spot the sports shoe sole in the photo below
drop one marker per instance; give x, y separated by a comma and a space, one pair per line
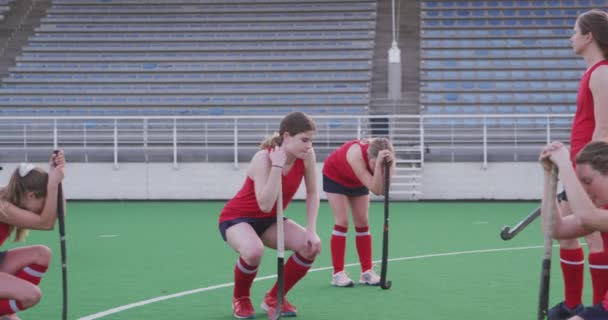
265, 307
348, 285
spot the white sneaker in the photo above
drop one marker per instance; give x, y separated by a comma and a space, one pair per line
369, 278
341, 279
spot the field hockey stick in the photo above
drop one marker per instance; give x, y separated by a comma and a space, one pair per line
384, 284
509, 233
64, 270
548, 224
280, 254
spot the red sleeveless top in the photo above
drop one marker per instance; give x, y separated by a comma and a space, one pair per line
336, 166
245, 205
584, 119
4, 232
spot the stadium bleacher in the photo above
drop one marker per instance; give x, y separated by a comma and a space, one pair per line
196, 57
499, 56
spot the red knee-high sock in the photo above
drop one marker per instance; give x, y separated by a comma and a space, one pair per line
598, 265
10, 306
295, 269
573, 267
338, 247
243, 278
32, 273
364, 247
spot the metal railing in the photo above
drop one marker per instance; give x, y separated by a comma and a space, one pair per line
479, 138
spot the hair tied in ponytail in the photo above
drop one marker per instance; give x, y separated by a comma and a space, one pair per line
25, 168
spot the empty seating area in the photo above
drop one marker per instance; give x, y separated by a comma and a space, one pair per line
198, 57
504, 57
5, 7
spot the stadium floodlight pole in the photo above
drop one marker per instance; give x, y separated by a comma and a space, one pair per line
394, 62
508, 233
280, 254
64, 270
384, 284
548, 207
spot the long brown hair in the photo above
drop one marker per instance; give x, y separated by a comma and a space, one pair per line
34, 181
293, 123
595, 154
596, 22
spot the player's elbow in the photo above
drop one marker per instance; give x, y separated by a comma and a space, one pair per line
49, 225
45, 225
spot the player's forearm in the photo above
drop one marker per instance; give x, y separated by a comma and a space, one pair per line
578, 199
377, 183
49, 211
312, 211
270, 191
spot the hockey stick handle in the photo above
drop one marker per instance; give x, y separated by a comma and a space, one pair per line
280, 253
548, 207
384, 283
64, 271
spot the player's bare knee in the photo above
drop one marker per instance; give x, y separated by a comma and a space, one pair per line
342, 222
308, 255
252, 254
569, 244
30, 297
42, 255
595, 242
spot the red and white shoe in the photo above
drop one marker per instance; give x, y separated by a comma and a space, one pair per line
242, 308
270, 305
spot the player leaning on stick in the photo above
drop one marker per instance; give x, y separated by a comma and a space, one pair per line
590, 41
248, 221
349, 173
29, 201
587, 188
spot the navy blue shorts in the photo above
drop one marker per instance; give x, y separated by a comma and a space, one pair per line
260, 225
597, 312
334, 187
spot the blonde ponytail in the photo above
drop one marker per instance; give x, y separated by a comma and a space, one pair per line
274, 140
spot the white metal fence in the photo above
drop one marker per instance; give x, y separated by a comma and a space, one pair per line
479, 138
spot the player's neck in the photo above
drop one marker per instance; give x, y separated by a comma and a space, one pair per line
592, 57
290, 160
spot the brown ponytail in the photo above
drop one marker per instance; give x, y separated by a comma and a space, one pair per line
293, 123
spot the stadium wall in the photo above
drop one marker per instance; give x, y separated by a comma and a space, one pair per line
211, 181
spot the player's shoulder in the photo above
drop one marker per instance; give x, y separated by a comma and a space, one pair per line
260, 154
354, 153
600, 71
259, 160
